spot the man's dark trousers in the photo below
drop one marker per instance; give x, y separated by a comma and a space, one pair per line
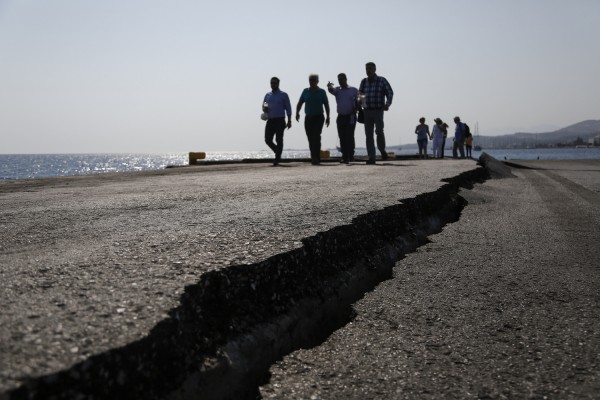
275, 128
313, 125
345, 127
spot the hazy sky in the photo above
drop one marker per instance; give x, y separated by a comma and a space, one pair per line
175, 76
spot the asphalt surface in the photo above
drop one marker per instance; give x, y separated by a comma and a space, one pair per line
93, 263
503, 304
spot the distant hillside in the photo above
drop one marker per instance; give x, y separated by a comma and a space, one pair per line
584, 130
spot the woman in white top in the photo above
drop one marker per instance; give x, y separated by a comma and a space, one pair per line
438, 138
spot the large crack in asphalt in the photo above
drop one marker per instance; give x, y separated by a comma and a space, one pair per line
236, 322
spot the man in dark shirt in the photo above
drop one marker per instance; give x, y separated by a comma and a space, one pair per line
376, 97
459, 139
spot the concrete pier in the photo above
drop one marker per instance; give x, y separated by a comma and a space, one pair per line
191, 282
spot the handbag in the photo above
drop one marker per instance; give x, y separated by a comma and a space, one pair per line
361, 116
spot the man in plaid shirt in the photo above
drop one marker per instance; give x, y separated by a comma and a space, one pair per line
377, 98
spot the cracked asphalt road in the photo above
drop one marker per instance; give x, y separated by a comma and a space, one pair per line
92, 263
503, 304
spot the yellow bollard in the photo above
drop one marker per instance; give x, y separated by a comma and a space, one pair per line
325, 154
195, 156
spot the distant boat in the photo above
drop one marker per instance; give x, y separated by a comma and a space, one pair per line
477, 147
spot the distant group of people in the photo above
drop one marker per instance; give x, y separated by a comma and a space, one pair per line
462, 143
370, 100
366, 105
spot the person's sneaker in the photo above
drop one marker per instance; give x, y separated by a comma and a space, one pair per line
384, 156
370, 162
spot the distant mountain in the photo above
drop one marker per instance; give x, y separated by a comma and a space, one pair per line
584, 130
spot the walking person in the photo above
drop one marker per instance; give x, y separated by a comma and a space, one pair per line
422, 132
459, 139
316, 100
469, 145
276, 105
376, 96
438, 138
445, 127
345, 97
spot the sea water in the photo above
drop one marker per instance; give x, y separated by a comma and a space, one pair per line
30, 166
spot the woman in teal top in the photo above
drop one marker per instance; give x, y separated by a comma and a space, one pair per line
316, 100
422, 132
